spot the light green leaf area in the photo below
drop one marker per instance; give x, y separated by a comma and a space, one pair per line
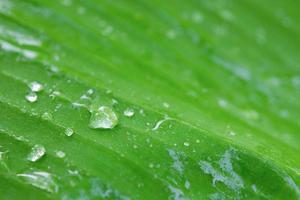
149, 99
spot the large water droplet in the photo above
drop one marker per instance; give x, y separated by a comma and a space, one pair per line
103, 118
42, 180
31, 97
35, 86
129, 112
69, 132
37, 152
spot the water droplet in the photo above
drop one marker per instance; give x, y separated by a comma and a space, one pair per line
157, 125
31, 97
90, 91
103, 118
69, 132
187, 184
85, 97
222, 103
47, 116
254, 188
53, 69
151, 165
114, 101
60, 154
186, 144
37, 152
54, 94
42, 180
232, 133
142, 112
129, 112
35, 86
166, 105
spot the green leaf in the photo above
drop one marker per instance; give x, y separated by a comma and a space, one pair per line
149, 99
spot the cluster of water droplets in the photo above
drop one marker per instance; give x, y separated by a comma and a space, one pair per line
34, 87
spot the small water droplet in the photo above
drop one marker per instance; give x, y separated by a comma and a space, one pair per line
103, 118
47, 116
114, 101
187, 184
166, 105
37, 152
151, 165
232, 133
42, 180
129, 112
35, 86
142, 112
90, 91
60, 154
31, 97
53, 69
69, 132
54, 94
186, 144
222, 103
85, 97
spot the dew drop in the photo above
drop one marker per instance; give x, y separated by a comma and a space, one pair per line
187, 184
186, 144
37, 152
60, 154
42, 180
90, 91
47, 116
35, 86
54, 94
142, 112
151, 165
103, 118
69, 132
129, 112
114, 102
166, 105
31, 97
